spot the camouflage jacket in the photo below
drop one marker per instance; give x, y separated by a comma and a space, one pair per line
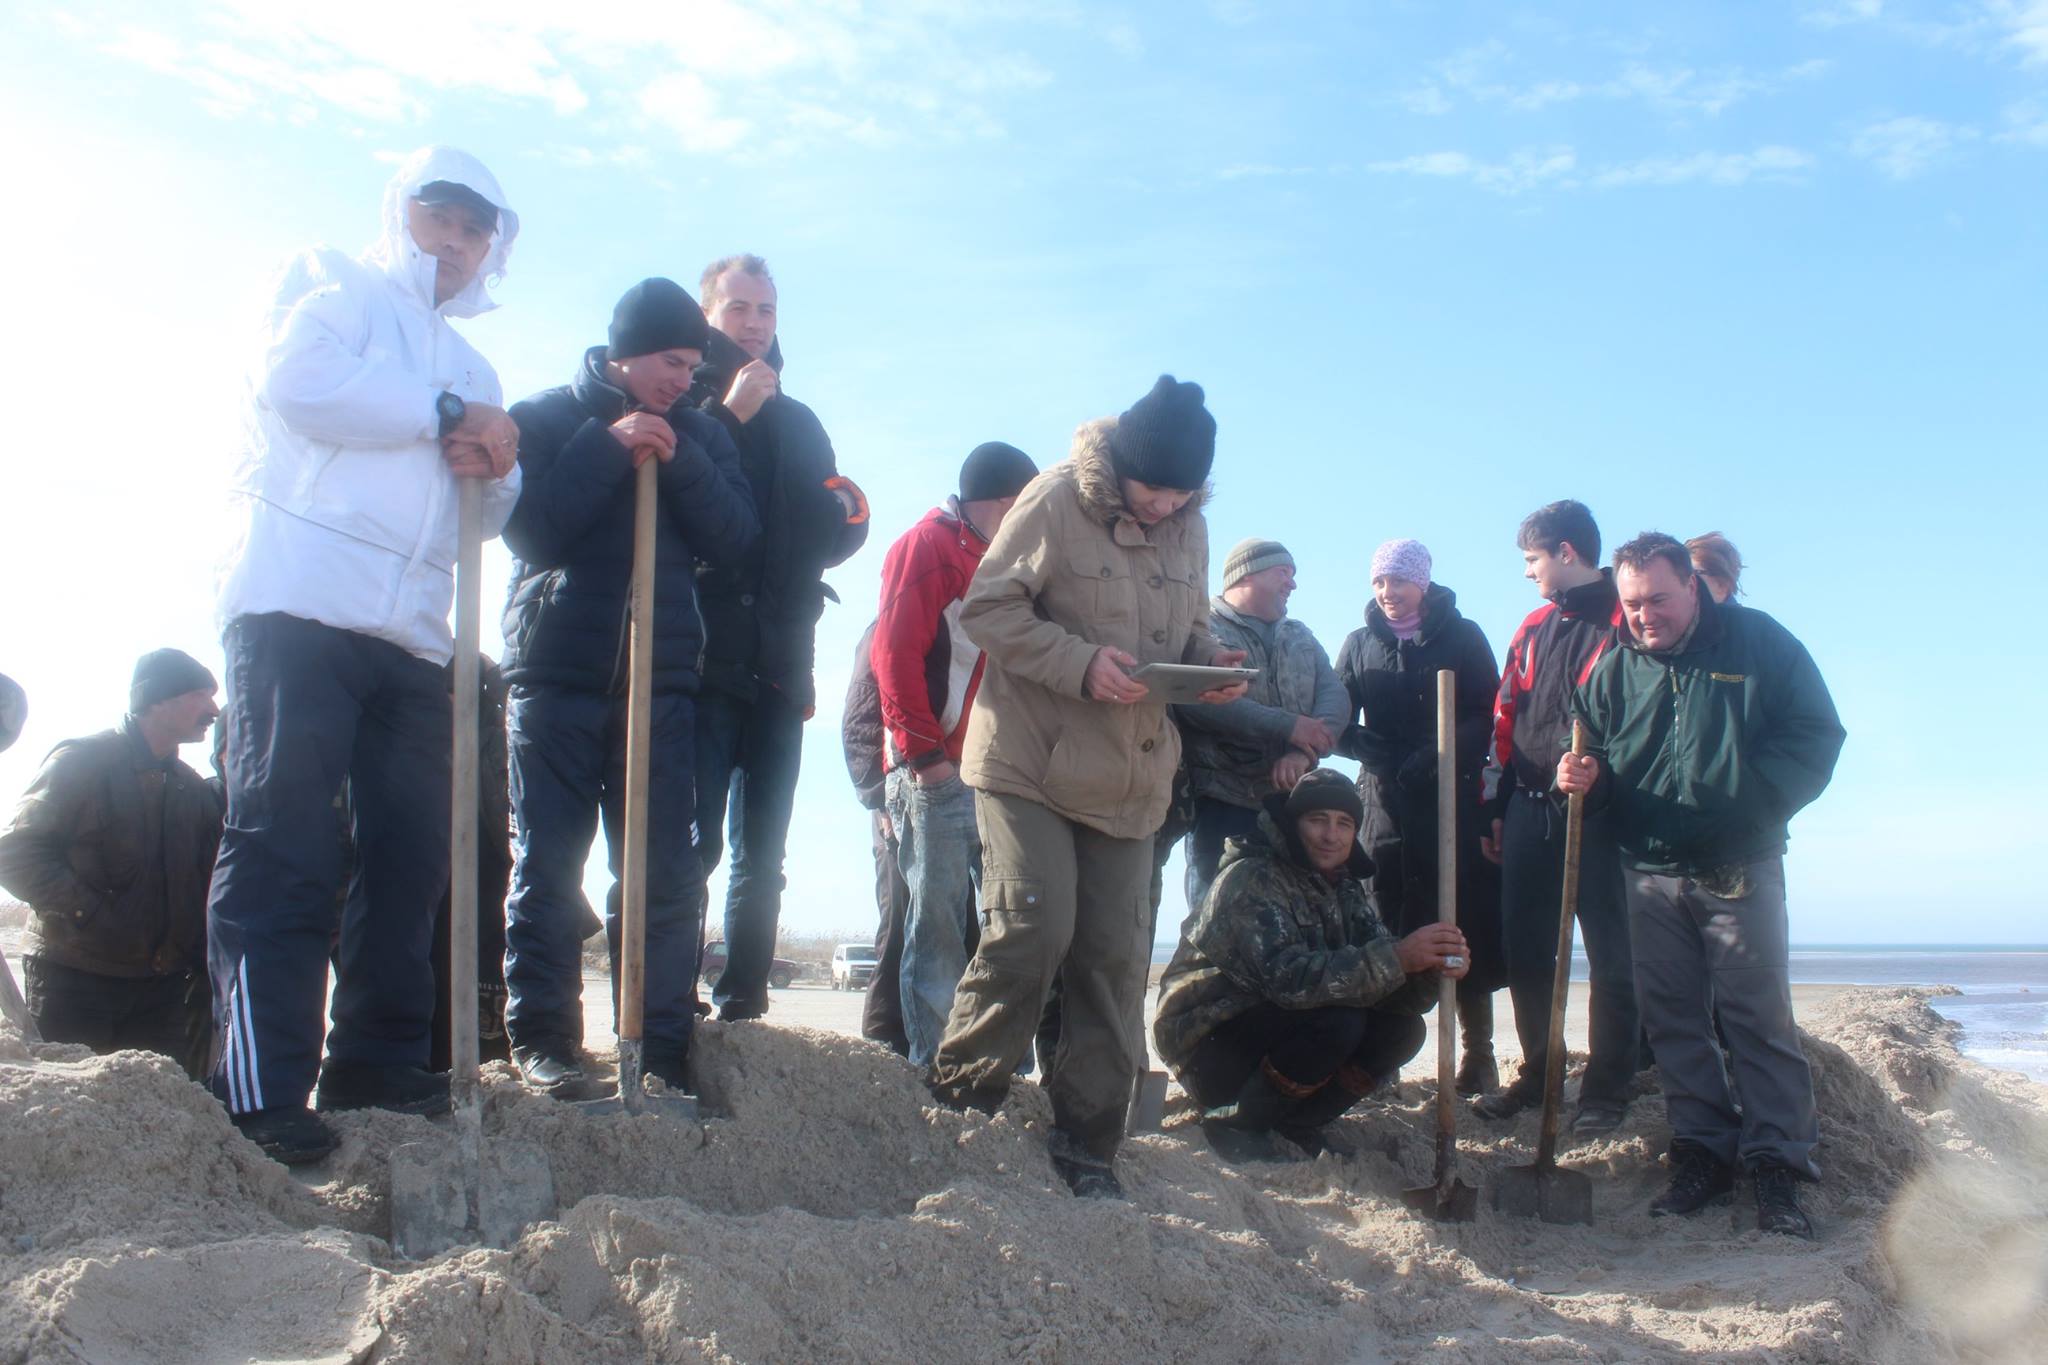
1230, 750
1275, 931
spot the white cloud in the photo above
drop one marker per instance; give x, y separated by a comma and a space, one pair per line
1904, 147
2026, 25
1524, 170
708, 77
2027, 122
1708, 168
1843, 12
1482, 74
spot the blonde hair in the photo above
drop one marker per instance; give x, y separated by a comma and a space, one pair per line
1715, 557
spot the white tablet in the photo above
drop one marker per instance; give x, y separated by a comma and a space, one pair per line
1185, 683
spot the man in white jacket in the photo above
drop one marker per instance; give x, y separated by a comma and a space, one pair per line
364, 408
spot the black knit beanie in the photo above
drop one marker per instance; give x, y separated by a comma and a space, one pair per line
995, 469
1166, 439
165, 673
1325, 789
656, 315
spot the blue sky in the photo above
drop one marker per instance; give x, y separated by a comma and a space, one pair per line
1772, 270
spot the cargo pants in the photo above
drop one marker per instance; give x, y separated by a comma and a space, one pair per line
1060, 901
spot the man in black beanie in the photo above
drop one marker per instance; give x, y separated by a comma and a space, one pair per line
112, 847
1289, 1000
761, 617
927, 672
565, 653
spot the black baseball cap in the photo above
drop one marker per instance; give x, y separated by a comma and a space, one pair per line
436, 192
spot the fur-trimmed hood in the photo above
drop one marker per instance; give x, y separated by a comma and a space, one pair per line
1096, 479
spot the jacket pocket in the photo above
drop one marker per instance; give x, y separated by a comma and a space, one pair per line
1105, 592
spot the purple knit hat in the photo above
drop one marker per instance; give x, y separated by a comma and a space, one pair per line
1407, 559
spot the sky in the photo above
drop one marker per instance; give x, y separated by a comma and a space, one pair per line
1772, 270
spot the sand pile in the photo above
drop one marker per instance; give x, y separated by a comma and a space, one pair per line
828, 1212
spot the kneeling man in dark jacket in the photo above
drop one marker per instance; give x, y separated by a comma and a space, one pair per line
1705, 732
565, 659
1288, 999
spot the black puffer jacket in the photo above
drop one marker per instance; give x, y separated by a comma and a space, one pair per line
1393, 681
113, 848
572, 538
861, 732
761, 611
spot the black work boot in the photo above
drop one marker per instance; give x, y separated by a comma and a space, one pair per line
493, 1044
1089, 1179
1477, 1070
1306, 1123
398, 1089
1243, 1129
553, 1068
290, 1137
1697, 1180
1777, 1201
1525, 1093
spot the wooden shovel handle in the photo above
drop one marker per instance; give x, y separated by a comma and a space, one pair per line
466, 683
1561, 972
1446, 894
639, 720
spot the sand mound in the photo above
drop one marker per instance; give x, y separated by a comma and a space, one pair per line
826, 1211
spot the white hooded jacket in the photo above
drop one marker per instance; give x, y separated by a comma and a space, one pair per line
345, 506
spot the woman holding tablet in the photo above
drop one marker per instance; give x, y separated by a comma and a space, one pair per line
1100, 568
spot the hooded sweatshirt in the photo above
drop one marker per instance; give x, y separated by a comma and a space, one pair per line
346, 510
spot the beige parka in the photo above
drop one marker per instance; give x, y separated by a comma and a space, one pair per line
1070, 572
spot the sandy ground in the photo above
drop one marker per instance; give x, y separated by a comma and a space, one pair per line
824, 1210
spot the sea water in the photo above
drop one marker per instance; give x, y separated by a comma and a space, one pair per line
2003, 1008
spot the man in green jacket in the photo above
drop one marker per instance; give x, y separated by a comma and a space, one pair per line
1706, 732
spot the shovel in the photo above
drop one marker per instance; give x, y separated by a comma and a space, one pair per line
15, 1009
441, 1197
632, 1097
1546, 1190
1446, 1198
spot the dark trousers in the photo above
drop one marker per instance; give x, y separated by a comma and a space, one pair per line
568, 758
1703, 955
882, 1016
748, 753
1305, 1046
172, 1015
1215, 821
308, 705
1532, 884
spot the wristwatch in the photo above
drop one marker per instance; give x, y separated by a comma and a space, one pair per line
450, 410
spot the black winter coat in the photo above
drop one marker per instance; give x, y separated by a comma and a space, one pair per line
112, 848
861, 731
572, 538
761, 611
1393, 682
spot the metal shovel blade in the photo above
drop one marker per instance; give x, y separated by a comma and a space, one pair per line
1148, 1103
466, 1193
633, 1097
1550, 1193
1448, 1199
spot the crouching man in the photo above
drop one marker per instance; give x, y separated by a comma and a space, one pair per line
1288, 1000
1705, 733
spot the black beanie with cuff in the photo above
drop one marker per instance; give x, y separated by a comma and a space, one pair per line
656, 315
1166, 439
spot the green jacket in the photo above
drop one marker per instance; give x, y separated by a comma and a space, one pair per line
1707, 751
1274, 931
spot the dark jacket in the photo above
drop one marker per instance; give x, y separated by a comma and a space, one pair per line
761, 610
1393, 682
112, 848
1229, 750
572, 538
1549, 659
1275, 931
1707, 752
861, 732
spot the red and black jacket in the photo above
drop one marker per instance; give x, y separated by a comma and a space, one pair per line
926, 668
1550, 658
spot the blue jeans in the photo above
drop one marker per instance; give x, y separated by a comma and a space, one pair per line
308, 705
568, 758
939, 852
748, 753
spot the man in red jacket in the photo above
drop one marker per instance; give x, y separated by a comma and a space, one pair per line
927, 670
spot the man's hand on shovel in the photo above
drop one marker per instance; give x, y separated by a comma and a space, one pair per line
644, 434
484, 445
